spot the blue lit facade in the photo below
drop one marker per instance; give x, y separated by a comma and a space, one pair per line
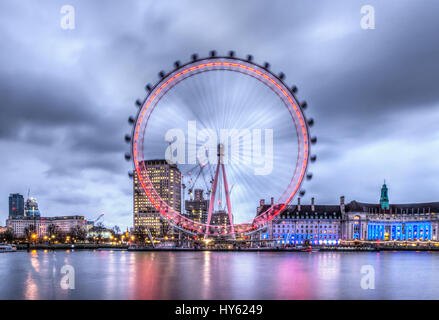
400, 231
357, 228
390, 222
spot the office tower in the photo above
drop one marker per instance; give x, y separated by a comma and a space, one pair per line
31, 208
220, 218
166, 179
197, 208
16, 205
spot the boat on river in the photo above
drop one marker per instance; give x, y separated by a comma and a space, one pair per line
7, 248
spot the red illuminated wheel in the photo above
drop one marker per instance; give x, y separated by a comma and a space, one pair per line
251, 142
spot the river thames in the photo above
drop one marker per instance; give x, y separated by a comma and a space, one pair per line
218, 275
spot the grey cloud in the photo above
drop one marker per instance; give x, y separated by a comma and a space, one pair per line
30, 102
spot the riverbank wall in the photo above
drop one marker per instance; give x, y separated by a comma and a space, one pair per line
93, 246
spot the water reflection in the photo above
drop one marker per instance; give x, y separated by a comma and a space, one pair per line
218, 275
31, 288
206, 275
31, 291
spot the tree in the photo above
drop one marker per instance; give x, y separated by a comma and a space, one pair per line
116, 230
99, 230
28, 231
53, 231
78, 233
99, 227
8, 235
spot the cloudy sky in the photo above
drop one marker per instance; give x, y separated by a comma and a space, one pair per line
65, 95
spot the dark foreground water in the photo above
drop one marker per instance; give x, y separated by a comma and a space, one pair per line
220, 275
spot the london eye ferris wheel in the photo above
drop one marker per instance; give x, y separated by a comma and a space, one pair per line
237, 134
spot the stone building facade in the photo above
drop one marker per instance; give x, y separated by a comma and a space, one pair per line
330, 224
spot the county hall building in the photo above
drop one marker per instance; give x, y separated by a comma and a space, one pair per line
329, 224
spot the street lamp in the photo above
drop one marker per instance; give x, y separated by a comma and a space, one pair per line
33, 237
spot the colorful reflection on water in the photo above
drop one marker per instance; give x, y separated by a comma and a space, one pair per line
218, 275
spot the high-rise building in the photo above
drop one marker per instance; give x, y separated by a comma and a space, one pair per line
16, 205
197, 208
31, 208
220, 218
166, 179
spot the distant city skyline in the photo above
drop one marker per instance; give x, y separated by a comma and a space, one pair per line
65, 95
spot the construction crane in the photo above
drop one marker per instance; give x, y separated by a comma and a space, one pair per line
98, 218
91, 223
